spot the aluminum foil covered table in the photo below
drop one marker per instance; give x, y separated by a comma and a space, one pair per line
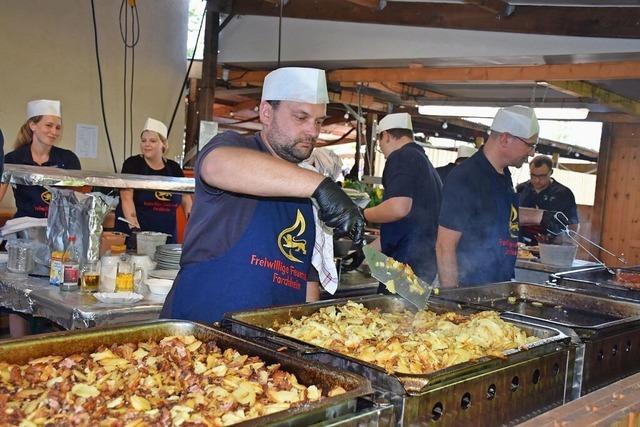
71, 310
16, 290
39, 175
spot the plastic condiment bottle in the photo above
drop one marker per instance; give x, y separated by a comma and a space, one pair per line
56, 270
71, 266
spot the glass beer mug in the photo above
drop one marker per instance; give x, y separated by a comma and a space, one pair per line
90, 279
128, 275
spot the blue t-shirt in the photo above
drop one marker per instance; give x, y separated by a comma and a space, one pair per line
409, 173
218, 218
33, 200
481, 203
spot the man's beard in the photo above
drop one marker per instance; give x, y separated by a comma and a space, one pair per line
290, 152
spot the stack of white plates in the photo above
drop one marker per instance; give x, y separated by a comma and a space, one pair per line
168, 256
163, 274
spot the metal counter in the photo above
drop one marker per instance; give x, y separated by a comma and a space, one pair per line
40, 175
533, 271
71, 310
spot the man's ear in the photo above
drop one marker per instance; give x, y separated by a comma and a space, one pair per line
266, 112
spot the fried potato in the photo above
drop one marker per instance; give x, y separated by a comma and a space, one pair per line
414, 343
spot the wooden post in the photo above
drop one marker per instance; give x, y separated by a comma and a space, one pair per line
600, 197
370, 152
191, 134
206, 95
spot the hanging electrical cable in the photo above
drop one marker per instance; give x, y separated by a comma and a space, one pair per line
129, 46
104, 116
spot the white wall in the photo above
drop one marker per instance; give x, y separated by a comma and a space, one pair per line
47, 51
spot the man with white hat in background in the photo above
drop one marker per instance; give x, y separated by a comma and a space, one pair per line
409, 210
464, 152
479, 220
250, 237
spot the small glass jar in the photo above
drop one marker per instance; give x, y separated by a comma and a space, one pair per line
90, 281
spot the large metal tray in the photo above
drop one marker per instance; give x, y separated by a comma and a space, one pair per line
587, 315
596, 280
608, 330
544, 366
66, 343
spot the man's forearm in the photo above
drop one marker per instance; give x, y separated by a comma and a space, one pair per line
245, 171
390, 210
447, 267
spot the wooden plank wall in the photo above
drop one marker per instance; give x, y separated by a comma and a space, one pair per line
620, 230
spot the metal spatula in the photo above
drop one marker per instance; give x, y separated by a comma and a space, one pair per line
413, 289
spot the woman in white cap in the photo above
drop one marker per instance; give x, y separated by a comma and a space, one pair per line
151, 210
35, 146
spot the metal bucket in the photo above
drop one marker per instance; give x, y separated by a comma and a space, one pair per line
148, 241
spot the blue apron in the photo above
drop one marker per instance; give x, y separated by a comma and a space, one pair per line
156, 211
267, 266
32, 200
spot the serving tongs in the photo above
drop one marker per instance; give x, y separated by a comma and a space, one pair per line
562, 219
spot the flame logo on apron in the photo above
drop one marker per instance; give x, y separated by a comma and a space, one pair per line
514, 225
287, 242
46, 197
163, 196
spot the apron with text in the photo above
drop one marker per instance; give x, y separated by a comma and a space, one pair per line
156, 211
32, 200
267, 266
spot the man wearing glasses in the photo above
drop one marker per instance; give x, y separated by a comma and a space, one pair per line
543, 192
479, 220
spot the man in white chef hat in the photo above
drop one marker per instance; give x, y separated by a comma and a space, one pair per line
409, 210
479, 219
251, 233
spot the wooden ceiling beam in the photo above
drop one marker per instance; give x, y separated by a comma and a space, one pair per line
558, 20
404, 91
367, 102
498, 7
510, 73
371, 4
613, 118
598, 94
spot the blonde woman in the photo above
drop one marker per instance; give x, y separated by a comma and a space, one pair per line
152, 210
35, 146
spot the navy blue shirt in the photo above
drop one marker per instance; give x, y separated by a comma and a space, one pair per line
556, 197
409, 173
481, 204
444, 171
155, 210
33, 200
218, 218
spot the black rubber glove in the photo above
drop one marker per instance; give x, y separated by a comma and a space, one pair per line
550, 223
338, 211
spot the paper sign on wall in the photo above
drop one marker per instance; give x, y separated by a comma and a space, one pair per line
86, 141
207, 131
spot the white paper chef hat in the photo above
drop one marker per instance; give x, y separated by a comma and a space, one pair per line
395, 121
43, 107
156, 126
465, 151
296, 84
516, 120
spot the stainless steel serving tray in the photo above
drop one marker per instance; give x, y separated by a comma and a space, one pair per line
584, 313
258, 324
596, 280
607, 330
66, 343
